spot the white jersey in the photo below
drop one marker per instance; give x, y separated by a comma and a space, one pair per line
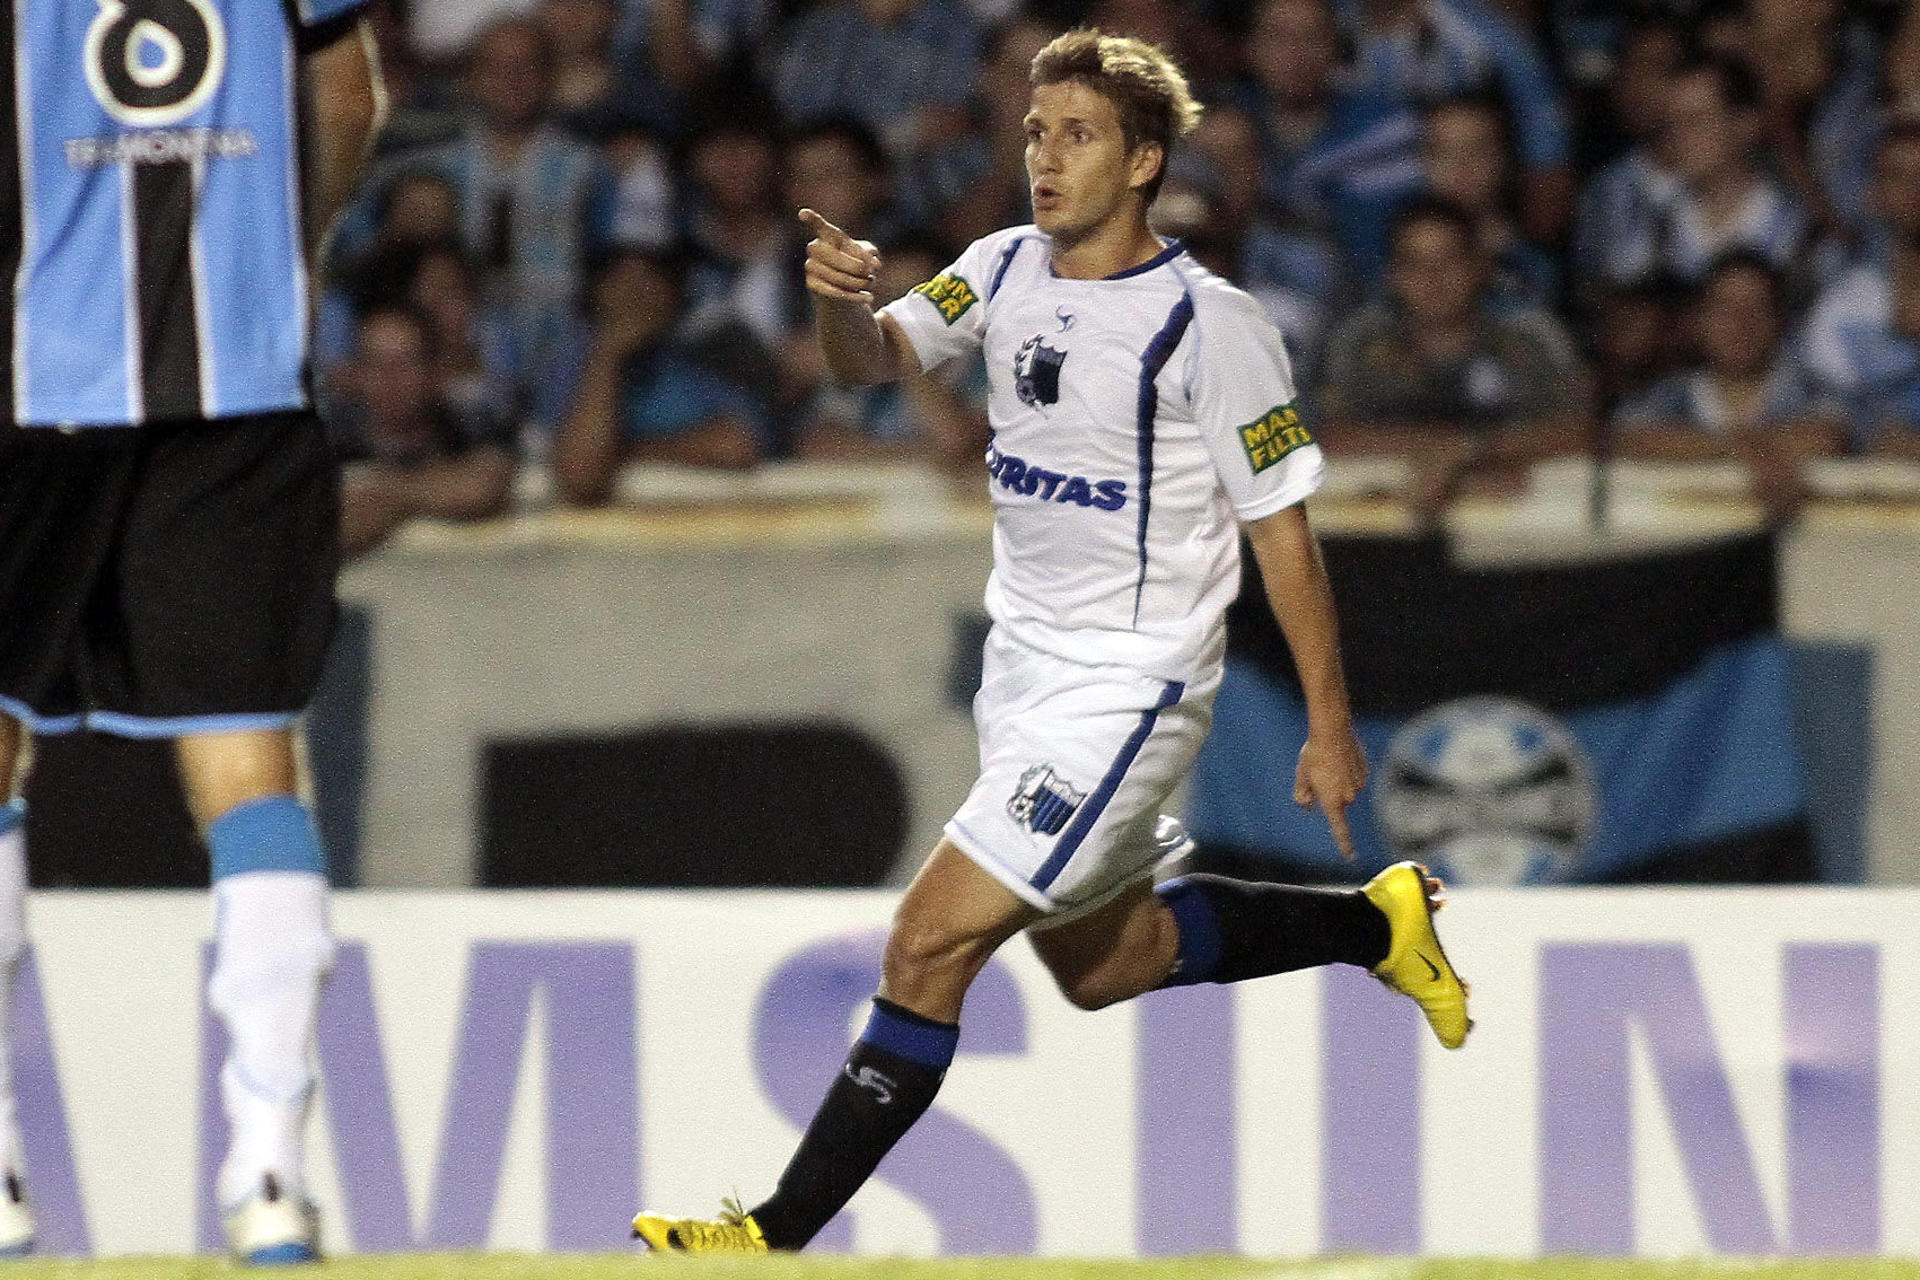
1135, 420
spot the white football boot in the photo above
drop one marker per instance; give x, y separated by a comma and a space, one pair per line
273, 1227
16, 1220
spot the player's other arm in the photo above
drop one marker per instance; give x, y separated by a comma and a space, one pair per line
862, 348
1333, 766
346, 105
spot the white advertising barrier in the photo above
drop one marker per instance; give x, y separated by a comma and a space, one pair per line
1654, 1071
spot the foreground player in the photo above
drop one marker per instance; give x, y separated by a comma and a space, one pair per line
1139, 406
168, 501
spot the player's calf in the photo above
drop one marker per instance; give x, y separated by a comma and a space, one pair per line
1233, 930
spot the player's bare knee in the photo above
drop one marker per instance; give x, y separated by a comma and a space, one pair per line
1090, 992
13, 758
921, 951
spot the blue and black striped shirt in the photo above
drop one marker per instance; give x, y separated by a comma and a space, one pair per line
150, 210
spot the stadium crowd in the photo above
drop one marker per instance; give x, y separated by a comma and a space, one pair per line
1493, 230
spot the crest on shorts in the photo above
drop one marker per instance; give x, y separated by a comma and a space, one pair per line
1036, 372
1044, 801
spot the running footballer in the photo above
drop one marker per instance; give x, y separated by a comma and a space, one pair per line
1143, 419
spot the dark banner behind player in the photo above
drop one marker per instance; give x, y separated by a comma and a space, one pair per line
1627, 719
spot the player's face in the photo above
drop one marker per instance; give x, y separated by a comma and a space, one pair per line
1079, 171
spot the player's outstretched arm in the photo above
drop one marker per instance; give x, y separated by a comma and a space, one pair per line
861, 347
1333, 766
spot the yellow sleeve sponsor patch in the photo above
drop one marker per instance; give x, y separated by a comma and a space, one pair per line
952, 294
1273, 436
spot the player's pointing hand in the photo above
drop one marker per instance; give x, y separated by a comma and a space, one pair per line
1333, 768
839, 268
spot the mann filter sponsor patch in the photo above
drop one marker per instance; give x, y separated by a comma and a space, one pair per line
1273, 436
952, 294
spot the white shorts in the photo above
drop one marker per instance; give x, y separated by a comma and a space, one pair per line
1076, 762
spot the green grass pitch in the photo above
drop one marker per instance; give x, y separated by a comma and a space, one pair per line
504, 1266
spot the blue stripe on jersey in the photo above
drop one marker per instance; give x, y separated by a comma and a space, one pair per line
1006, 260
1151, 362
70, 324
76, 301
1094, 805
254, 332
1172, 250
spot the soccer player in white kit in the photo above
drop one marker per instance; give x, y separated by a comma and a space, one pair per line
1143, 418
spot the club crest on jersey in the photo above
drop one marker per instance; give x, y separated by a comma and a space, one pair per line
1036, 372
1044, 801
952, 296
1272, 436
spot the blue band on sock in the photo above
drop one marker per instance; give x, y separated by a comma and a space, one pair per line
12, 815
906, 1035
1198, 954
273, 833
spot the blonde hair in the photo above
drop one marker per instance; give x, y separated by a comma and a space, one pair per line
1155, 103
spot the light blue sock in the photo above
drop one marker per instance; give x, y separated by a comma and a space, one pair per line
272, 948
272, 833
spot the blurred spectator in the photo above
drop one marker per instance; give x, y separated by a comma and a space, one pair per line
1746, 396
472, 342
641, 395
974, 182
646, 202
1633, 340
742, 293
417, 208
1211, 201
939, 416
1469, 161
408, 450
1420, 51
885, 63
734, 227
1724, 29
1700, 195
534, 203
580, 33
1863, 337
1438, 373
689, 49
1334, 159
1820, 84
1900, 70
1651, 51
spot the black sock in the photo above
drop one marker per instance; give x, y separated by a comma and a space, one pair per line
1232, 930
889, 1081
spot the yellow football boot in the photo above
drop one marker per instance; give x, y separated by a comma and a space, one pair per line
734, 1231
1416, 966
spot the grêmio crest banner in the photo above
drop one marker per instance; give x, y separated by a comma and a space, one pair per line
1618, 720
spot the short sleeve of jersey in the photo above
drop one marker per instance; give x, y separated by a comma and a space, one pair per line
318, 23
1244, 404
947, 316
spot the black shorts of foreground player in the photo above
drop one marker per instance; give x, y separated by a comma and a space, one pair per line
1143, 418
